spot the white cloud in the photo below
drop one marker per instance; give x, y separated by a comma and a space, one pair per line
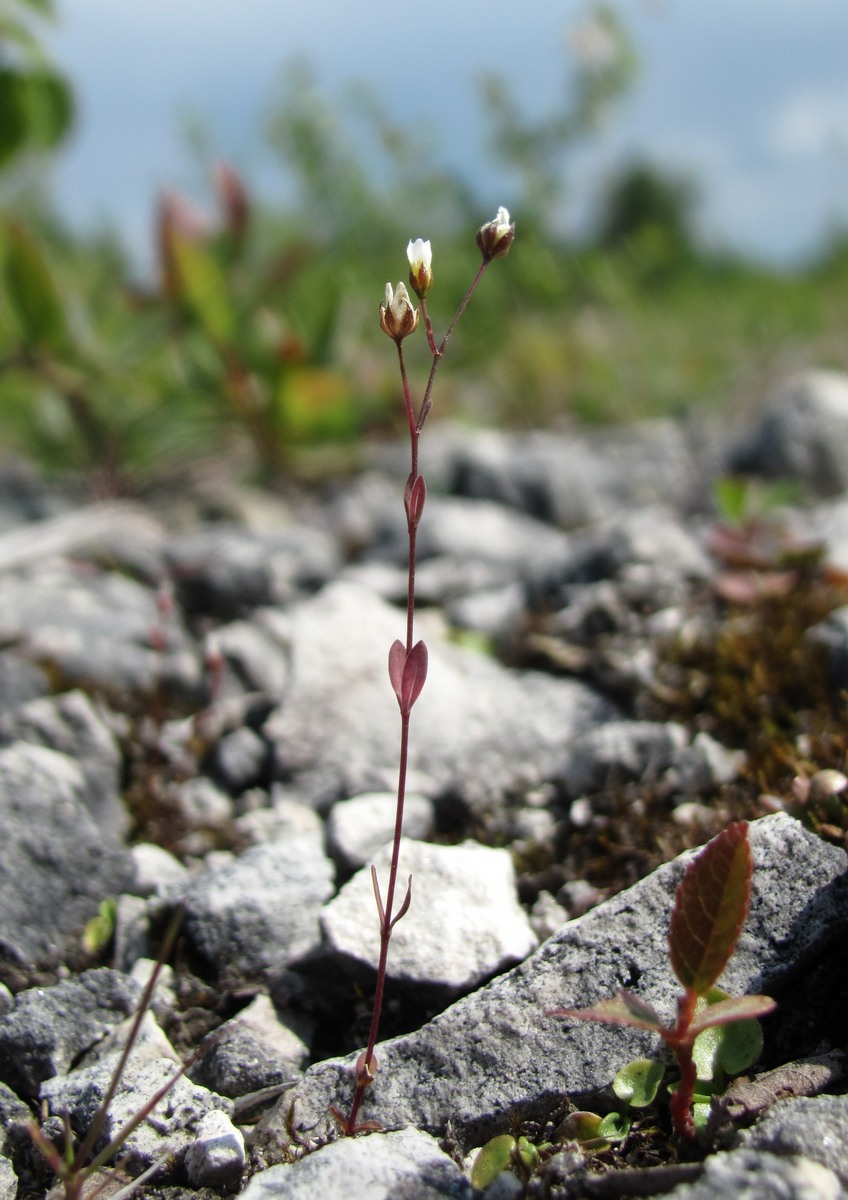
810, 123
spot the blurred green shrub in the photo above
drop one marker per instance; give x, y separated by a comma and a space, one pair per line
36, 106
258, 339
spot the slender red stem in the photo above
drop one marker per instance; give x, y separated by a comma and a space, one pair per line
366, 1065
681, 1041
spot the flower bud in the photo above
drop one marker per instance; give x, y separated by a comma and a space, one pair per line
420, 257
495, 238
397, 316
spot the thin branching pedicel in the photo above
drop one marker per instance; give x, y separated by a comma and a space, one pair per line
408, 659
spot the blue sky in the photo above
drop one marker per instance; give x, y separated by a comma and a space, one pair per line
751, 96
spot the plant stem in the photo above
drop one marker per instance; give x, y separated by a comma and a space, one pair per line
366, 1066
681, 1041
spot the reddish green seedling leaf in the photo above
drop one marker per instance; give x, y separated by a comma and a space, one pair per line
710, 907
625, 1009
736, 1008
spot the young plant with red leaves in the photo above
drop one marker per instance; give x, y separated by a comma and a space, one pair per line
408, 658
710, 907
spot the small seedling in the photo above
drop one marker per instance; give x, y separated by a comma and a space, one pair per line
506, 1153
408, 658
710, 907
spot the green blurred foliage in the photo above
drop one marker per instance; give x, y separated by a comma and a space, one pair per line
258, 337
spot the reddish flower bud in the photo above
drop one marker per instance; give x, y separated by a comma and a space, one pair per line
495, 238
397, 316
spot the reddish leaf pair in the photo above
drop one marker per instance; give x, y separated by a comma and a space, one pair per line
407, 673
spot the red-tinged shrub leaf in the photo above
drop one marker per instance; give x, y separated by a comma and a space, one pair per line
414, 676
397, 662
625, 1009
736, 1008
710, 907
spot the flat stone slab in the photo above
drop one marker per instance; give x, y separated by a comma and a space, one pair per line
405, 1163
496, 1054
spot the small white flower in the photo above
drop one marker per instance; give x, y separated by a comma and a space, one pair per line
420, 255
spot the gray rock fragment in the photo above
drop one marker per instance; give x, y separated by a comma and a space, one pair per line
803, 434
403, 1165
755, 1175
50, 1028
481, 731
464, 924
56, 863
252, 1051
216, 1156
98, 630
813, 1126
8, 1180
260, 911
71, 724
623, 750
157, 873
20, 681
171, 1126
254, 658
240, 759
357, 828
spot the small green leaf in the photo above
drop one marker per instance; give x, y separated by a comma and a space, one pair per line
492, 1159
730, 495
614, 1127
98, 931
528, 1153
32, 291
730, 1037
637, 1082
710, 907
582, 1127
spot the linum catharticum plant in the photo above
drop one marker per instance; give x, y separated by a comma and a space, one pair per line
709, 910
408, 658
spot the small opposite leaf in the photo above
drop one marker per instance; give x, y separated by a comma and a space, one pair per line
736, 1008
415, 498
710, 907
625, 1009
414, 676
397, 661
637, 1082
